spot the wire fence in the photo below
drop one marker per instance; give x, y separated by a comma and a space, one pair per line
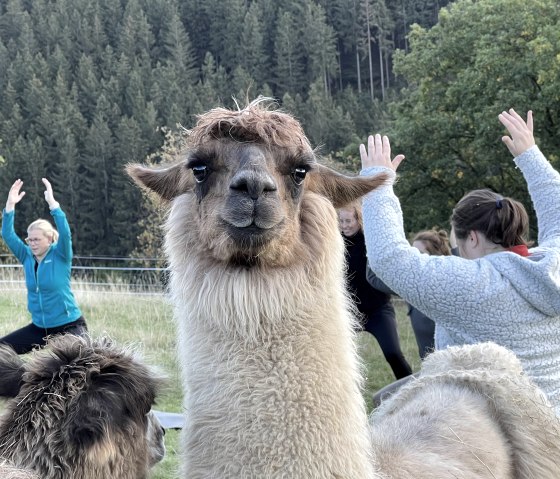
106, 274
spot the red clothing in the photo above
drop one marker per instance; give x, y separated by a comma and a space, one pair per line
520, 249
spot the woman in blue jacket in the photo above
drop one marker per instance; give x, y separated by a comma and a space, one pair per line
46, 256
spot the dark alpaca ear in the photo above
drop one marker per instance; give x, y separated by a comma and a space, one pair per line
89, 423
167, 183
341, 189
11, 371
121, 393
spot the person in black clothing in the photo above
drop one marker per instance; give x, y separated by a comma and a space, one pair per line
377, 310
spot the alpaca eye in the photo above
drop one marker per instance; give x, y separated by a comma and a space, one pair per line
298, 175
200, 173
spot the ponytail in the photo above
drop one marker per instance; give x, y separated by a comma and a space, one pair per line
503, 221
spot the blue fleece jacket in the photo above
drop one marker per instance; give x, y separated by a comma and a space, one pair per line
49, 297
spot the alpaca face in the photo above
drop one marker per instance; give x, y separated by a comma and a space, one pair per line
238, 196
245, 197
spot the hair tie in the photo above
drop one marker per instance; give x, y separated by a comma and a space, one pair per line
499, 203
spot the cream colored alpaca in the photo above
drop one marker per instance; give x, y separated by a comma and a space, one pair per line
472, 413
266, 341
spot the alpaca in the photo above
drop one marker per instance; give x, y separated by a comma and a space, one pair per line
7, 471
472, 413
80, 408
266, 330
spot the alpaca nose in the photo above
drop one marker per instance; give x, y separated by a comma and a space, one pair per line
252, 182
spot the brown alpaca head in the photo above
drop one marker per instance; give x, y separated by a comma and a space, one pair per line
80, 408
243, 180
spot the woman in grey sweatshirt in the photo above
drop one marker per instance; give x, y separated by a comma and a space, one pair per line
498, 290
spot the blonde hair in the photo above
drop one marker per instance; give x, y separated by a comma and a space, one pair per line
356, 208
46, 228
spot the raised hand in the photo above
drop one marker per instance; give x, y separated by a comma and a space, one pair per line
378, 153
15, 195
49, 197
521, 133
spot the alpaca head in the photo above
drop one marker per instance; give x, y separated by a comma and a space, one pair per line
242, 185
80, 405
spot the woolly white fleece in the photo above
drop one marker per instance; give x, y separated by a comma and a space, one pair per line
503, 297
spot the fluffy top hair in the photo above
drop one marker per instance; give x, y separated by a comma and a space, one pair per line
257, 122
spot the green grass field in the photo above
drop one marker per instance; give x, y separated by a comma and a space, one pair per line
146, 321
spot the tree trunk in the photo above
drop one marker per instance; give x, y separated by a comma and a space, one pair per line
405, 23
387, 71
358, 71
369, 52
381, 67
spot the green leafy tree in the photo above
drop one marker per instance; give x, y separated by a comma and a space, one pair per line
481, 57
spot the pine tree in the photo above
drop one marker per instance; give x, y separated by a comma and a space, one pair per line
288, 64
320, 46
91, 229
252, 57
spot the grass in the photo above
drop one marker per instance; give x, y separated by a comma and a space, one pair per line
146, 321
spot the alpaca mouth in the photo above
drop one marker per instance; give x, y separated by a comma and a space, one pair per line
251, 236
258, 220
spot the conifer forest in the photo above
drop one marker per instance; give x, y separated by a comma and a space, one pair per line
87, 86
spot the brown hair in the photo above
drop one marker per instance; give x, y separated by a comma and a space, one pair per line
504, 221
257, 122
435, 240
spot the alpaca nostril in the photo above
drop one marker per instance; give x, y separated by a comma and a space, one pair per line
253, 183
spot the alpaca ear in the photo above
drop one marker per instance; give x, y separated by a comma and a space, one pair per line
341, 189
11, 371
90, 426
167, 183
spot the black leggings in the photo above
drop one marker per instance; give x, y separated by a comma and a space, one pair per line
382, 324
25, 339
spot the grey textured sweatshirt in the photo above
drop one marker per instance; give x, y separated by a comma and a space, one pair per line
503, 297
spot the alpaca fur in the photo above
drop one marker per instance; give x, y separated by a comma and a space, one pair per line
7, 471
266, 331
472, 413
82, 410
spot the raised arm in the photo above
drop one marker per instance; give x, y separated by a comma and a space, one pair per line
49, 196
13, 241
14, 195
414, 276
64, 247
378, 153
543, 181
